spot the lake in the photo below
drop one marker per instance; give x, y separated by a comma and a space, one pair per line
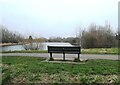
45, 44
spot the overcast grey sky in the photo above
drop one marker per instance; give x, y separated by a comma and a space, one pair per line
62, 18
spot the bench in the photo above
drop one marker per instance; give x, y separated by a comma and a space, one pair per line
64, 49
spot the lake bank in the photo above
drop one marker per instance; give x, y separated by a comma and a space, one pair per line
8, 44
19, 46
112, 51
20, 49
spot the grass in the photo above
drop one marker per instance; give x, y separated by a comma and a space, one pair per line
100, 51
83, 51
32, 70
27, 51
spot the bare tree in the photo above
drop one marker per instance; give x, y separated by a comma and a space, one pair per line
33, 44
8, 36
98, 36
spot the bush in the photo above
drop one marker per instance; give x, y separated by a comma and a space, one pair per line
33, 44
98, 37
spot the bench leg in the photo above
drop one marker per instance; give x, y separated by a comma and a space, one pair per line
51, 59
50, 55
64, 56
78, 56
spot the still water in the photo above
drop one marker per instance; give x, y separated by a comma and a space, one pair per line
45, 44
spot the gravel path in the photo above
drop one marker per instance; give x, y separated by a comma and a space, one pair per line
68, 56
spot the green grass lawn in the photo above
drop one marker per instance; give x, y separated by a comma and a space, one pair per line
27, 51
83, 51
100, 51
32, 70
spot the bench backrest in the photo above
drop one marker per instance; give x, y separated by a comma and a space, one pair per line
64, 49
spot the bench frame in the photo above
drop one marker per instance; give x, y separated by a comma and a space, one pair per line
64, 50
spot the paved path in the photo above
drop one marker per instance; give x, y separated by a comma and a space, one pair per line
68, 56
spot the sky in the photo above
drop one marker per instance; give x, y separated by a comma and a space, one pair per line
56, 18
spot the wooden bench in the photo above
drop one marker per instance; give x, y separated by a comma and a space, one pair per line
64, 49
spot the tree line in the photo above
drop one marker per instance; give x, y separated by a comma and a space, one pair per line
98, 36
9, 36
95, 36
